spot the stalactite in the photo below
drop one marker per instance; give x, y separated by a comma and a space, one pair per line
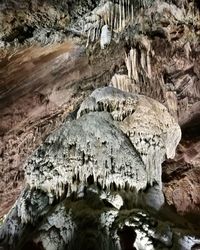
105, 36
88, 38
143, 60
128, 12
131, 64
115, 14
120, 15
112, 17
115, 27
124, 83
133, 56
172, 104
128, 65
132, 13
123, 13
149, 64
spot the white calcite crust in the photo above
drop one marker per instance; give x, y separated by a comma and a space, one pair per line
151, 129
115, 15
114, 148
105, 36
63, 223
90, 146
118, 138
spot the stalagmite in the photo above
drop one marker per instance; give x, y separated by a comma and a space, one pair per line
82, 145
90, 145
96, 179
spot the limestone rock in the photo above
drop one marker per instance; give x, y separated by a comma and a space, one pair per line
181, 187
105, 36
155, 137
94, 149
154, 197
114, 199
58, 230
158, 44
79, 150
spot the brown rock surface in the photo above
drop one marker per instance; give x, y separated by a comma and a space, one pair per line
181, 178
39, 87
183, 188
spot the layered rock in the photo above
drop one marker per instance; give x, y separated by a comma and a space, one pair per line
26, 23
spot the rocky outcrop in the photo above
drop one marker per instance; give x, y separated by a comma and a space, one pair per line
82, 223
182, 187
25, 23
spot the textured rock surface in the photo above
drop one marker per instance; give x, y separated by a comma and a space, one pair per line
93, 149
88, 222
24, 23
78, 150
46, 84
154, 137
153, 51
96, 145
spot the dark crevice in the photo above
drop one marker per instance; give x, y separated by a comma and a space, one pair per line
197, 3
20, 33
191, 129
33, 246
127, 238
90, 180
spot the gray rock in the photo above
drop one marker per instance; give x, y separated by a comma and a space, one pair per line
154, 197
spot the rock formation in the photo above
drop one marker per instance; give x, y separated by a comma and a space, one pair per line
154, 138
53, 54
99, 154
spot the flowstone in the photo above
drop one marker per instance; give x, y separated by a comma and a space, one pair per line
153, 132
91, 146
113, 150
118, 138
